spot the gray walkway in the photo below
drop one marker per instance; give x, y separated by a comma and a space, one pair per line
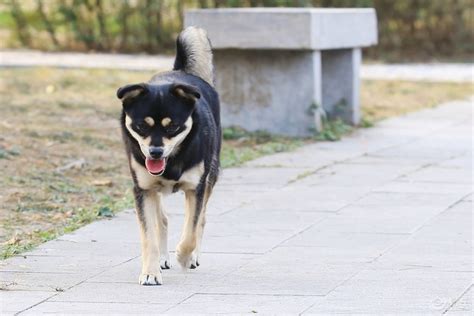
417, 72
378, 222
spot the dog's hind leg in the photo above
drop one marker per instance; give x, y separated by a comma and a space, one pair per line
200, 228
165, 262
147, 203
185, 252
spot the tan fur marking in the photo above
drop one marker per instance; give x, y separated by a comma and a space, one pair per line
189, 180
132, 94
184, 95
171, 143
188, 240
149, 120
143, 142
166, 121
144, 179
150, 238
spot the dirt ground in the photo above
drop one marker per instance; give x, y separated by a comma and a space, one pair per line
61, 157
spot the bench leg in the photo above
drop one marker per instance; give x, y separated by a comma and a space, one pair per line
341, 84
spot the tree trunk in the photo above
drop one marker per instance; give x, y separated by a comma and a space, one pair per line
47, 23
21, 23
104, 36
123, 19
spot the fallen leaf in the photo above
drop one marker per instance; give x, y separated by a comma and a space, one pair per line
50, 89
76, 164
15, 240
102, 183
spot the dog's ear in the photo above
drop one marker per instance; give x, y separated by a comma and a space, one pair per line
131, 91
188, 93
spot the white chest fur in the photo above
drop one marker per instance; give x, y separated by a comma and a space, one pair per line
188, 180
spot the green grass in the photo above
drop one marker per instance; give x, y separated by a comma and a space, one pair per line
241, 146
333, 130
106, 208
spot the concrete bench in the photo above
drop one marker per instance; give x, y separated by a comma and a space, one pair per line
282, 69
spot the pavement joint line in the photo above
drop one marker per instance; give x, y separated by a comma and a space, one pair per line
306, 174
296, 234
39, 272
311, 211
422, 167
237, 207
74, 285
35, 255
331, 164
416, 229
177, 304
249, 202
102, 302
412, 234
455, 203
233, 253
30, 307
335, 287
258, 294
455, 301
417, 193
428, 165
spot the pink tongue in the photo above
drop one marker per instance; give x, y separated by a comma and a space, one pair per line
155, 165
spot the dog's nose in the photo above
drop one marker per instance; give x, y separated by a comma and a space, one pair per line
155, 152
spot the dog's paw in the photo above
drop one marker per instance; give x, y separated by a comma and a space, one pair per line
165, 262
150, 279
189, 261
194, 262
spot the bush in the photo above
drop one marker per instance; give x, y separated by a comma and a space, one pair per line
407, 29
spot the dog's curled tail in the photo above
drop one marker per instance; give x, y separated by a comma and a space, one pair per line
194, 54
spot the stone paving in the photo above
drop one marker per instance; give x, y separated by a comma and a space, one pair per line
380, 222
448, 72
435, 72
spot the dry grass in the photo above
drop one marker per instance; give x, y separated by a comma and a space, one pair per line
51, 118
382, 99
54, 117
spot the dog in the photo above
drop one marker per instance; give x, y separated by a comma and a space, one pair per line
172, 135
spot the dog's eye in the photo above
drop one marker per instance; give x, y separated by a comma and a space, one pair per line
172, 128
142, 127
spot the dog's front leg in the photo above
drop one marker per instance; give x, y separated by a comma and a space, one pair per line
147, 204
189, 236
165, 262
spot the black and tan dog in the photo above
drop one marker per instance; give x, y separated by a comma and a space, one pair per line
172, 135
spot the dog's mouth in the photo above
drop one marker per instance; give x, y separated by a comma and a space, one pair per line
155, 167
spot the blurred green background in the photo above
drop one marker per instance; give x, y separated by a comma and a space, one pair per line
408, 29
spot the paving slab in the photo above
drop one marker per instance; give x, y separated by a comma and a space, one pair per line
463, 306
15, 301
378, 223
413, 292
241, 304
286, 271
97, 308
222, 264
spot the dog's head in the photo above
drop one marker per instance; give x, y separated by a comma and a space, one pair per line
159, 118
